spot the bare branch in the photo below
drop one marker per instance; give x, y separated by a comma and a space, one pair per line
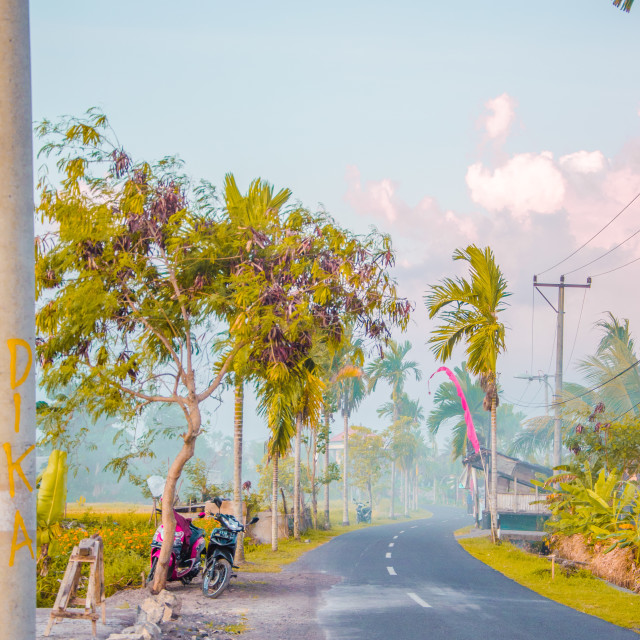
218, 379
159, 335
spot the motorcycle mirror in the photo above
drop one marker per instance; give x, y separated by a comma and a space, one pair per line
254, 520
217, 502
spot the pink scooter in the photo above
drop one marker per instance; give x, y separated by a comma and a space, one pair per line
186, 559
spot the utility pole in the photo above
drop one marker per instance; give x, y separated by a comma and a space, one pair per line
541, 377
17, 329
561, 286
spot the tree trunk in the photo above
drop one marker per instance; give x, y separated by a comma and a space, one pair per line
345, 472
327, 488
296, 478
237, 463
168, 497
494, 472
314, 464
406, 493
392, 513
274, 504
370, 498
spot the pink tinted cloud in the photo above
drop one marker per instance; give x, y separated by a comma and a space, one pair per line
585, 186
526, 183
497, 123
418, 224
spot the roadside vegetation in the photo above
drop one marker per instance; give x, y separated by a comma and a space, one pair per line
577, 589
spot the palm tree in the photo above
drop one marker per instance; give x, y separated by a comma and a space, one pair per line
405, 439
625, 5
392, 367
448, 410
257, 209
469, 310
351, 390
308, 408
276, 401
238, 414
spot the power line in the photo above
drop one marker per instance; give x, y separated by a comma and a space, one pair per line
582, 246
581, 395
633, 235
622, 266
533, 308
575, 338
602, 384
625, 413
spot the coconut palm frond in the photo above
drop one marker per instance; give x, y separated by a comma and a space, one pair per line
625, 5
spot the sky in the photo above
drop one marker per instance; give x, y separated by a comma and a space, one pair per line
508, 124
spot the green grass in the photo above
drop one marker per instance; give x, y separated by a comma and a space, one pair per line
579, 590
464, 530
261, 558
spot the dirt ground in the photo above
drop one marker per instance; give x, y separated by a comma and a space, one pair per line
274, 606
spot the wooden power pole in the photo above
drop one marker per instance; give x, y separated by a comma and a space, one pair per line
17, 329
561, 286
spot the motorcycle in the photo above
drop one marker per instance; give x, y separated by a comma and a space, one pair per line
363, 513
186, 560
221, 551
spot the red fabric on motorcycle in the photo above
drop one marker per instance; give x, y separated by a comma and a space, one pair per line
185, 526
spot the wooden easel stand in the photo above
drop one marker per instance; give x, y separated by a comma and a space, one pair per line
91, 551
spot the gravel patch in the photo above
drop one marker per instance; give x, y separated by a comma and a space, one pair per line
273, 606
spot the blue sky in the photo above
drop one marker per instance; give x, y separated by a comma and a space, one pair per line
504, 123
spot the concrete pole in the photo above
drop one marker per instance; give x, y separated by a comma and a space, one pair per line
557, 430
17, 331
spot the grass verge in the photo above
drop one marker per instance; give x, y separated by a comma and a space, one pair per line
579, 590
261, 558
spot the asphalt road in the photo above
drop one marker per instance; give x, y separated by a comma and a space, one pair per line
411, 580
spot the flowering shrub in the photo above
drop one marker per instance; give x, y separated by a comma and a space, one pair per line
127, 540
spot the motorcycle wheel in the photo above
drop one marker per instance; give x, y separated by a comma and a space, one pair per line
216, 578
152, 573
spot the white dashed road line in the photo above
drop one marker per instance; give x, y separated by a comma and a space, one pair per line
392, 571
391, 544
419, 600
415, 526
402, 532
395, 537
388, 555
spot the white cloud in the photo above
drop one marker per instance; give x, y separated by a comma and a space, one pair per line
583, 162
526, 183
498, 123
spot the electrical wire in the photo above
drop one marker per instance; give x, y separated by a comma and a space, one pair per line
582, 246
602, 384
625, 412
587, 392
622, 266
633, 235
575, 338
533, 308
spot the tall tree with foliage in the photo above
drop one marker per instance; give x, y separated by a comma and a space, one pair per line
469, 311
308, 409
404, 437
139, 265
369, 458
392, 368
254, 210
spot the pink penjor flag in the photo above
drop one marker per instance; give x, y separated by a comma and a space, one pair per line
471, 432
